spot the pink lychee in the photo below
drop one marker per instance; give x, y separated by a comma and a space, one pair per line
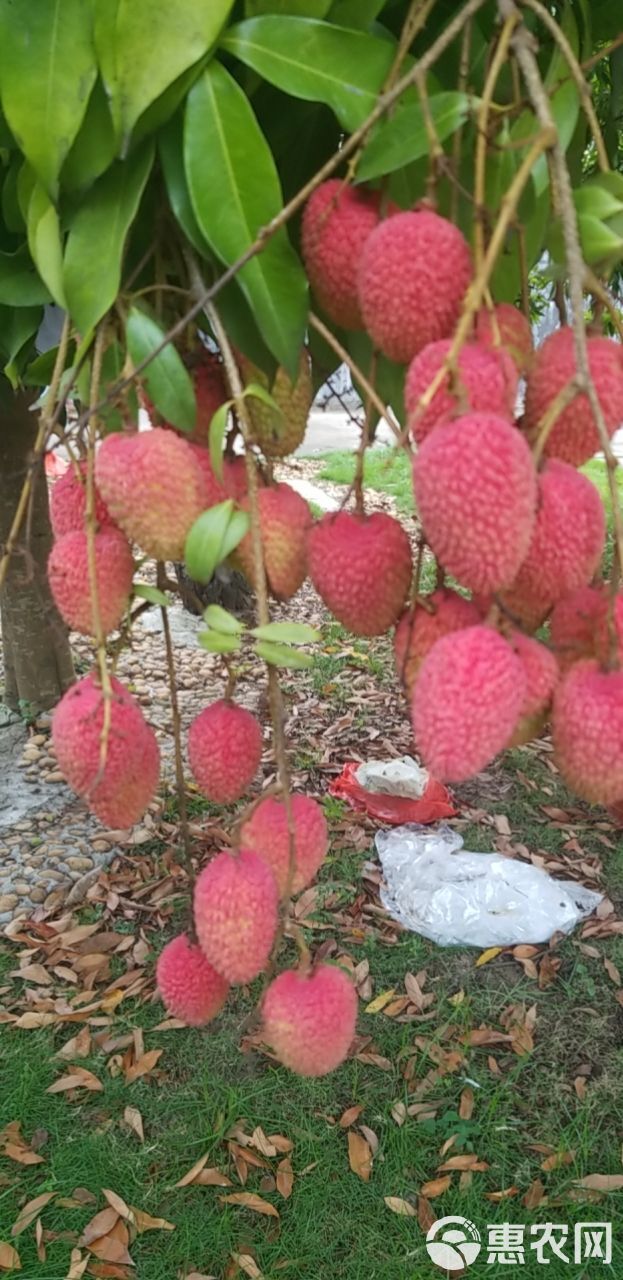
212, 490
573, 624
337, 221
266, 831
152, 486
361, 568
190, 988
309, 1019
224, 749
284, 523
541, 671
487, 381
587, 726
68, 497
236, 900
68, 575
513, 332
574, 437
425, 622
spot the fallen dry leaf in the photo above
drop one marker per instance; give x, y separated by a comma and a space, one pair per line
77, 1265
466, 1104
285, 1177
397, 1205
78, 1047
30, 1211
379, 1002
116, 1203
426, 1215
612, 971
143, 1065
192, 1173
9, 1257
601, 1182
134, 1121
349, 1116
464, 1162
248, 1265
557, 1160
22, 1155
145, 1222
78, 1078
486, 956
534, 1195
250, 1201
211, 1178
497, 1196
436, 1187
100, 1225
359, 1155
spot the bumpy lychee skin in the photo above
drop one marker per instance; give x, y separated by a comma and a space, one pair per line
415, 269
266, 832
487, 381
587, 726
68, 575
210, 393
476, 489
513, 331
152, 487
337, 221
213, 490
542, 673
467, 700
361, 568
566, 545
280, 431
119, 793
309, 1020
189, 986
68, 497
224, 749
574, 437
574, 623
423, 624
236, 901
284, 523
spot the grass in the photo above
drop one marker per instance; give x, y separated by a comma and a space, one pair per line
385, 470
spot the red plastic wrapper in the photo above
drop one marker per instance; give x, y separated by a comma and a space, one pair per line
434, 804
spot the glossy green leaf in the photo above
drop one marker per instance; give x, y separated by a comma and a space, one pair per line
222, 621
214, 535
599, 242
44, 242
97, 236
39, 372
95, 146
169, 384
218, 428
355, 13
17, 326
143, 46
281, 655
300, 8
217, 642
47, 70
287, 632
595, 201
11, 211
403, 137
235, 191
170, 145
20, 286
144, 591
316, 61
257, 392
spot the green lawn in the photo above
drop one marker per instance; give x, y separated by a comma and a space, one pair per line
386, 470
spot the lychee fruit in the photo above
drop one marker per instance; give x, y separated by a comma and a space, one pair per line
423, 624
213, 490
224, 749
574, 437
487, 381
119, 792
337, 221
309, 1019
284, 522
152, 487
541, 672
68, 499
68, 575
236, 901
361, 568
467, 700
587, 725
266, 831
278, 432
210, 393
189, 987
475, 490
574, 622
415, 269
514, 333
566, 545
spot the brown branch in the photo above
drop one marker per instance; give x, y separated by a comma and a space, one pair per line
482, 135
356, 372
180, 784
91, 527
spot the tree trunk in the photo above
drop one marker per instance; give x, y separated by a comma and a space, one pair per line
37, 659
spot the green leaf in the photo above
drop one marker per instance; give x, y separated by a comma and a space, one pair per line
144, 45
17, 326
403, 138
216, 642
355, 13
257, 392
280, 655
599, 242
218, 427
95, 146
47, 69
44, 242
97, 235
39, 372
315, 61
168, 382
302, 8
288, 632
234, 188
171, 147
214, 535
20, 286
144, 591
223, 621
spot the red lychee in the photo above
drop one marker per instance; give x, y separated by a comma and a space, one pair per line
213, 490
487, 381
280, 431
414, 271
152, 486
361, 568
587, 726
120, 792
210, 393
236, 900
425, 622
467, 700
68, 575
189, 987
476, 489
574, 622
68, 497
566, 544
513, 332
284, 523
266, 831
541, 672
337, 221
224, 749
309, 1019
574, 437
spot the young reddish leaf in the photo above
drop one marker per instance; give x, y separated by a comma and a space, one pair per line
359, 1155
250, 1201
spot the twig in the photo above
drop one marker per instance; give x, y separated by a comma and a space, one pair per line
363, 445
482, 135
180, 785
457, 142
357, 373
91, 526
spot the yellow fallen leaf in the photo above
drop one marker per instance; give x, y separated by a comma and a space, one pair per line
489, 954
359, 1155
250, 1201
380, 1001
400, 1206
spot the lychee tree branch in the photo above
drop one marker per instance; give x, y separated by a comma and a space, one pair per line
180, 785
482, 134
356, 372
91, 528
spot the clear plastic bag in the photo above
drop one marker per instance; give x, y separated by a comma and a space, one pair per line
437, 888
